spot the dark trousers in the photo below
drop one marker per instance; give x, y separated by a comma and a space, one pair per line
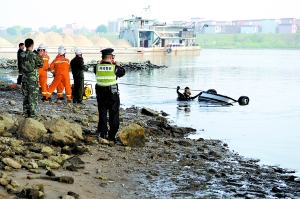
19, 80
108, 101
78, 90
30, 101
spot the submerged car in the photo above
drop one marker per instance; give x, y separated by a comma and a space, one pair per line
211, 95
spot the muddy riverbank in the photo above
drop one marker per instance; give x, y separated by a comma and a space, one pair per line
168, 166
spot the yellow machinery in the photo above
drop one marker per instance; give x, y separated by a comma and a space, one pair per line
87, 91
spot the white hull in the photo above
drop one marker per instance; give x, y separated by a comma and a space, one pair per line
215, 97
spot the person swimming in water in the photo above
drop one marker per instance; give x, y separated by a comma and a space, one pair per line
186, 96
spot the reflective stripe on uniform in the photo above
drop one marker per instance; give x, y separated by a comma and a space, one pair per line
106, 77
107, 83
58, 62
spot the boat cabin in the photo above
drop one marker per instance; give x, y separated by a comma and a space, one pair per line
149, 33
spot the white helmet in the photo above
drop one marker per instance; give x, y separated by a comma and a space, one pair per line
78, 51
42, 47
61, 51
61, 46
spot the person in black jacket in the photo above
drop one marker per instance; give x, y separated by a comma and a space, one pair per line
77, 67
21, 49
186, 95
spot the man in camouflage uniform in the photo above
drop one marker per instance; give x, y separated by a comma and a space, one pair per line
29, 63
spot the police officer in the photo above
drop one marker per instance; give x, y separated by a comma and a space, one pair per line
107, 94
77, 66
29, 67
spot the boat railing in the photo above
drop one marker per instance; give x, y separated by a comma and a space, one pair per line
168, 34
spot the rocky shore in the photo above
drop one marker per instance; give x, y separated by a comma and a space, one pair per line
58, 155
130, 65
12, 64
8, 64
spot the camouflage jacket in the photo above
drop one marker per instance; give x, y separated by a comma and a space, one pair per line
29, 63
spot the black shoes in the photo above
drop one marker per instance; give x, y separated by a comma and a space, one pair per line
61, 98
75, 101
102, 135
44, 99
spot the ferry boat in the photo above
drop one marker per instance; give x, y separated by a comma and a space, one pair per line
149, 35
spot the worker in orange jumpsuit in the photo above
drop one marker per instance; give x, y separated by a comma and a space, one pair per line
43, 70
60, 88
62, 67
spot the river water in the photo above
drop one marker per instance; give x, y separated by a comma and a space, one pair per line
267, 129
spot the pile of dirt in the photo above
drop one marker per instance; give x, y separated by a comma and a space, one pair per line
38, 38
121, 43
53, 39
82, 41
101, 42
67, 40
4, 42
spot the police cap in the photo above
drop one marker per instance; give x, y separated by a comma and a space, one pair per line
107, 51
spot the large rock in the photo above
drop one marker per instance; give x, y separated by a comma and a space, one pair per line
133, 135
62, 139
48, 163
58, 125
12, 163
31, 130
150, 112
61, 159
6, 123
47, 150
75, 131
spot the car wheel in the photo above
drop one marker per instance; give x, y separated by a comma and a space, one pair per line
243, 100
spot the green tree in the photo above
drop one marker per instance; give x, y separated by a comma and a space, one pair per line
11, 31
14, 30
54, 29
101, 29
26, 30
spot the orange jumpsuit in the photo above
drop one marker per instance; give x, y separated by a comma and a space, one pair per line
62, 67
60, 88
43, 74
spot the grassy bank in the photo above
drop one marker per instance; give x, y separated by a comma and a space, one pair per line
291, 41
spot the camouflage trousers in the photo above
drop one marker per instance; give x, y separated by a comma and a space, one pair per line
30, 101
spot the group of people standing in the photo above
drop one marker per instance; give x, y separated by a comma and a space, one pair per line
33, 68
34, 64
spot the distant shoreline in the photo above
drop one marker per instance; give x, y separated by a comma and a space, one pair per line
249, 41
250, 48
